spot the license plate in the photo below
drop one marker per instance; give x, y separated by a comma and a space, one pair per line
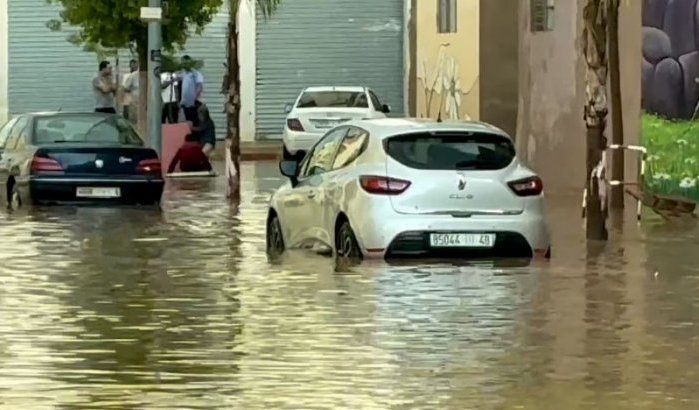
90, 192
326, 124
462, 240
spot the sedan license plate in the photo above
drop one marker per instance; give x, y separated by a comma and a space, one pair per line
90, 192
462, 240
325, 124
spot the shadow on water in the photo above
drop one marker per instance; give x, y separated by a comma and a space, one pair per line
180, 308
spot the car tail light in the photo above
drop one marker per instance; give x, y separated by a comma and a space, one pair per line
383, 185
150, 167
42, 165
531, 186
294, 124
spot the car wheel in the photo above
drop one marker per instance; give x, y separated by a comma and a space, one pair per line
346, 246
286, 155
275, 239
548, 253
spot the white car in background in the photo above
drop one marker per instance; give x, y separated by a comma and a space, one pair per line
393, 188
318, 109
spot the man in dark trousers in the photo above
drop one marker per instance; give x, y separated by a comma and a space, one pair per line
190, 157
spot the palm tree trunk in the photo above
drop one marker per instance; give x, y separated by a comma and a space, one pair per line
617, 192
232, 90
595, 53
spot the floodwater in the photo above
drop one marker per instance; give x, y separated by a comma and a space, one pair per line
180, 309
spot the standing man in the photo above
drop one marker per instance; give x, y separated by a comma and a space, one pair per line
130, 86
170, 98
104, 89
192, 83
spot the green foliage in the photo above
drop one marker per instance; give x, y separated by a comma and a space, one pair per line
673, 156
116, 24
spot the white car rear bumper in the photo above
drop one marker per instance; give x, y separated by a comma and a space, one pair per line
409, 234
295, 141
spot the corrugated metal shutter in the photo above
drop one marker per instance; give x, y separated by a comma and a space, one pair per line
46, 72
329, 42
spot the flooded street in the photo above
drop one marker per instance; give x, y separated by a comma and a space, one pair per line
180, 309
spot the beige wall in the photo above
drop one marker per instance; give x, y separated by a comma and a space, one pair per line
550, 127
499, 38
447, 59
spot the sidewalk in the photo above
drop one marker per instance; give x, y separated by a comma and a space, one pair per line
252, 151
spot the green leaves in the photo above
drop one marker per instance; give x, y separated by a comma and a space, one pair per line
113, 24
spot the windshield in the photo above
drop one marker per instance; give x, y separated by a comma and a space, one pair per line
87, 128
327, 99
451, 151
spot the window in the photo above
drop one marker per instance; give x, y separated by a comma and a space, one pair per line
94, 129
18, 130
446, 16
452, 151
5, 132
542, 15
321, 159
378, 106
325, 99
351, 148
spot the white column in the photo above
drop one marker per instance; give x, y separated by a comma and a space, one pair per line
248, 67
406, 55
4, 61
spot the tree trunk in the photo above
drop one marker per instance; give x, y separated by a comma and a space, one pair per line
617, 192
143, 92
595, 114
232, 87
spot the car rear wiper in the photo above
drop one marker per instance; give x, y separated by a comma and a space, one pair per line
470, 164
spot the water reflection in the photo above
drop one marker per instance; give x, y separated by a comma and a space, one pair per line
134, 308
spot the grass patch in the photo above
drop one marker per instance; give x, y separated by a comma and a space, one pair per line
673, 156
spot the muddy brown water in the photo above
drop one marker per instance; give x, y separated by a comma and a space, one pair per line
180, 309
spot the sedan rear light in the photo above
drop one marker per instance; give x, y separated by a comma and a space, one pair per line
150, 167
383, 185
294, 124
42, 165
531, 186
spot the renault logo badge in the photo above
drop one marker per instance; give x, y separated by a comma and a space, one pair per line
462, 182
99, 163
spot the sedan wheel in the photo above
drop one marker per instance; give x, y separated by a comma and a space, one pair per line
286, 155
346, 244
275, 240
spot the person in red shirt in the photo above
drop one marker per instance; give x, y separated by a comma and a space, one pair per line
190, 157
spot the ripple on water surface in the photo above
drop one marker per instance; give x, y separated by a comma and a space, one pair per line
134, 308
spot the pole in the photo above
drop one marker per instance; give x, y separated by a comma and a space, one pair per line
155, 41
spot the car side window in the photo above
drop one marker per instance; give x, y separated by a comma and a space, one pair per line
352, 146
18, 130
321, 159
5, 132
375, 101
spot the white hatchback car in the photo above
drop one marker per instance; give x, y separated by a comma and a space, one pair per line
402, 187
318, 109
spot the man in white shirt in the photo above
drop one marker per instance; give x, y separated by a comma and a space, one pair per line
130, 86
171, 108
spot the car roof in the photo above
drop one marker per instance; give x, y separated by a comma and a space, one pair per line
335, 88
387, 127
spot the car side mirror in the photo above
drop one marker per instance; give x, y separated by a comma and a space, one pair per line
288, 108
385, 109
290, 169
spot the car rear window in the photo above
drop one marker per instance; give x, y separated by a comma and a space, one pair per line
451, 151
330, 99
88, 128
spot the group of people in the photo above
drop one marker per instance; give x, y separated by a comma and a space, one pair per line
181, 92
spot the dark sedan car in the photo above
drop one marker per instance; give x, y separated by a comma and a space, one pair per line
76, 157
